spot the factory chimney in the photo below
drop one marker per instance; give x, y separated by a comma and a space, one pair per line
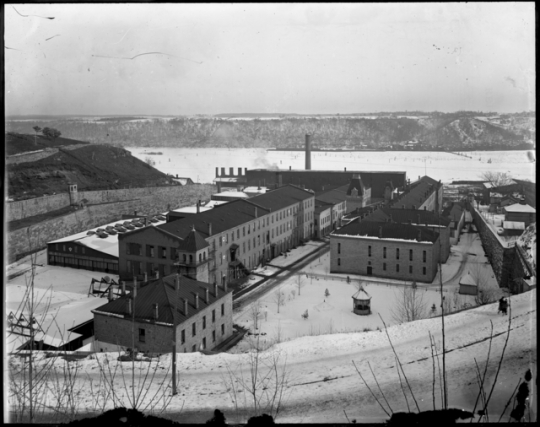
308, 152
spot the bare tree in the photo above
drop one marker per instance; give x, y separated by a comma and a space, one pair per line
410, 305
480, 276
255, 314
497, 179
279, 298
300, 282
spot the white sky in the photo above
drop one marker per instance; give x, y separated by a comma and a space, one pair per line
266, 58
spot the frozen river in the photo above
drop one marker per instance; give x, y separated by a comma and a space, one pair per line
200, 164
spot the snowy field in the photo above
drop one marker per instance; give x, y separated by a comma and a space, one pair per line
200, 164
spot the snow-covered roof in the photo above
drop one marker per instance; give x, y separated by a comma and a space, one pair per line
108, 245
192, 209
467, 280
518, 207
361, 294
237, 194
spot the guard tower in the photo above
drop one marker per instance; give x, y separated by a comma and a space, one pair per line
73, 195
361, 303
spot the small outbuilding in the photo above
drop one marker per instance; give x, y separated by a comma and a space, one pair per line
361, 302
467, 285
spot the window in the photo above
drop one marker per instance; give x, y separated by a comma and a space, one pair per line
204, 322
223, 309
424, 256
191, 259
397, 253
193, 329
194, 348
397, 268
238, 233
259, 240
410, 269
174, 253
243, 246
384, 252
213, 316
243, 231
150, 251
424, 271
220, 242
184, 256
129, 266
142, 337
200, 257
339, 248
204, 343
369, 250
183, 337
222, 329
162, 252
339, 261
384, 266
410, 254
213, 336
133, 249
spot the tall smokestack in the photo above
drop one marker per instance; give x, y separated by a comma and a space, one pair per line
308, 152
239, 171
222, 171
231, 171
217, 172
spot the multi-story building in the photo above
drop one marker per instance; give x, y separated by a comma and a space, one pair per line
224, 243
424, 194
323, 218
195, 315
385, 249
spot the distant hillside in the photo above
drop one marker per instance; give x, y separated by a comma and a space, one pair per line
91, 167
456, 131
17, 143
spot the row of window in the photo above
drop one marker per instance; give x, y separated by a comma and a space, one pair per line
424, 270
86, 264
72, 249
424, 253
142, 336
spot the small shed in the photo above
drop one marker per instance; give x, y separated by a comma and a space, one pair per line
467, 285
361, 302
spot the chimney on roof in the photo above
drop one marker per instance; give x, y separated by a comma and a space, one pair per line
207, 296
186, 307
290, 167
110, 296
414, 206
196, 301
418, 177
216, 290
209, 229
308, 152
225, 285
231, 171
522, 201
156, 311
239, 171
380, 232
134, 213
245, 171
425, 208
217, 172
344, 169
223, 172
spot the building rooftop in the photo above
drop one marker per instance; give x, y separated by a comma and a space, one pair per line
233, 194
417, 194
170, 303
388, 231
282, 197
518, 207
334, 196
108, 244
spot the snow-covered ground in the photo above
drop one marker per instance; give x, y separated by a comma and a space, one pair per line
322, 380
200, 164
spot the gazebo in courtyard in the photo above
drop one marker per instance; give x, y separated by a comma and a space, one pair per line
361, 302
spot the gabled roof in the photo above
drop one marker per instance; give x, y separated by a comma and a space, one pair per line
281, 197
518, 207
321, 206
162, 291
336, 195
418, 193
222, 217
390, 230
356, 183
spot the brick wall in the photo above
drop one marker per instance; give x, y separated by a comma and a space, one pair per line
354, 258
158, 338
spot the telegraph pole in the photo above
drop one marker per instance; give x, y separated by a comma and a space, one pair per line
176, 284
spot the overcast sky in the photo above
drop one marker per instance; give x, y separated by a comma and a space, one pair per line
264, 58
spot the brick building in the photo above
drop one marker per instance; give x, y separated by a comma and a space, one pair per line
426, 193
237, 236
201, 314
385, 249
520, 212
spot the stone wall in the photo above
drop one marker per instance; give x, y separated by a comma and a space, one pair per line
29, 239
30, 157
36, 206
501, 258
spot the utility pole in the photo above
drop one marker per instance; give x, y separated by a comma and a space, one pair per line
176, 285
